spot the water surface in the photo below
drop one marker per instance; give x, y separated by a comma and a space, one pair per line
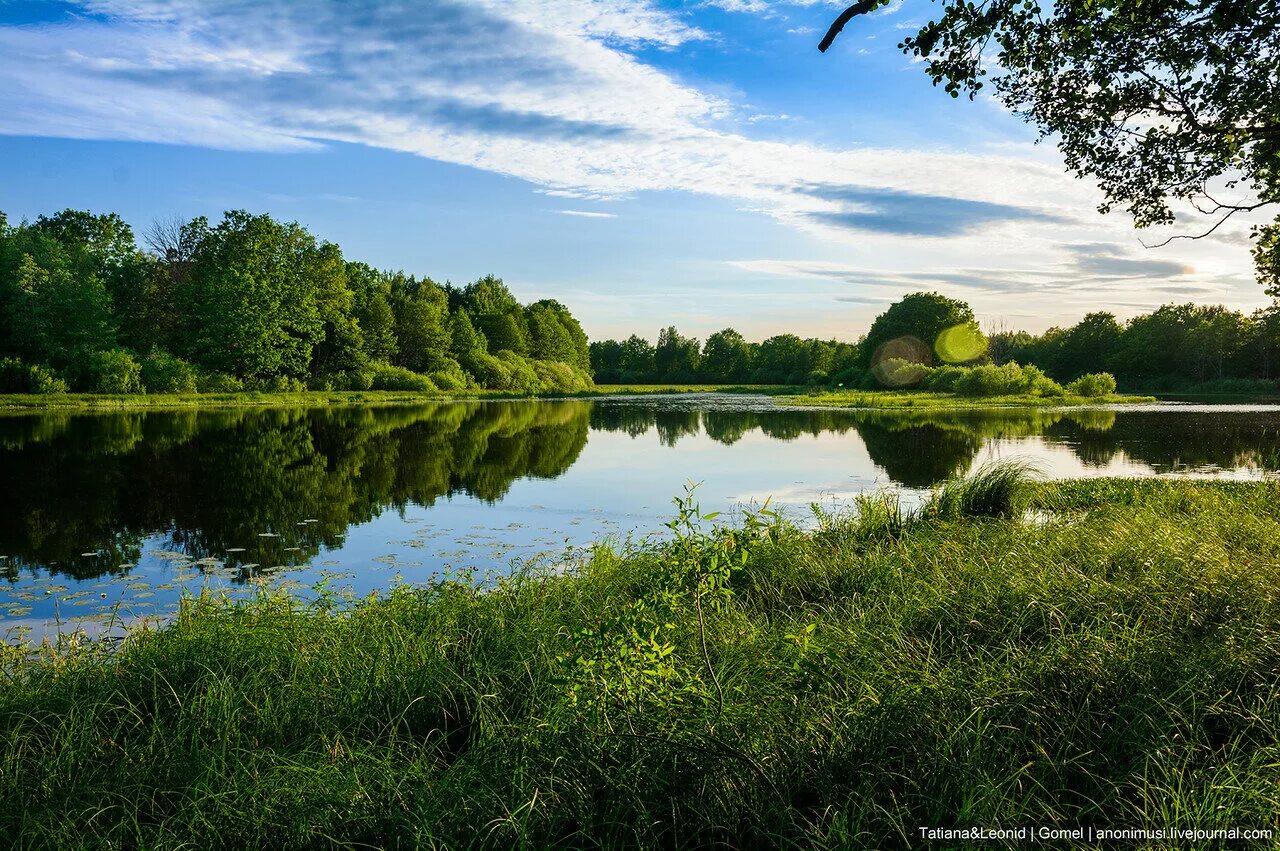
104, 514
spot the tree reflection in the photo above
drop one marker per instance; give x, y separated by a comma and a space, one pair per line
83, 492
285, 481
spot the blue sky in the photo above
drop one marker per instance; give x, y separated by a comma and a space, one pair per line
645, 162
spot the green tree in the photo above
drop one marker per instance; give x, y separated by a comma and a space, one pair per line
371, 307
920, 315
421, 309
253, 310
676, 357
783, 359
638, 361
1159, 102
726, 356
1086, 347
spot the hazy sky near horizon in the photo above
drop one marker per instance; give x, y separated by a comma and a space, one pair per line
644, 162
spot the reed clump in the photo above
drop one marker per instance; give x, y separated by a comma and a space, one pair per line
1113, 663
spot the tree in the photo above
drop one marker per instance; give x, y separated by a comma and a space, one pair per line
638, 360
918, 316
1085, 347
54, 302
371, 307
252, 308
676, 357
1160, 102
726, 356
421, 309
782, 359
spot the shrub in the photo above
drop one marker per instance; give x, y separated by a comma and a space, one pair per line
898, 372
1093, 385
109, 371
388, 377
523, 378
560, 377
943, 378
166, 373
18, 377
451, 378
218, 382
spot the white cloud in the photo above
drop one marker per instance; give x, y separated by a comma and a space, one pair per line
587, 214
554, 92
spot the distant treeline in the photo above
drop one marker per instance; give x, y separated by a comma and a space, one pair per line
253, 303
1175, 347
727, 357
1178, 346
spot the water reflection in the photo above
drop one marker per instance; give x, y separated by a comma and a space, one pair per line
243, 492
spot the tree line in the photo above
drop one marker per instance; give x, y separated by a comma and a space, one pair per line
726, 357
255, 303
929, 341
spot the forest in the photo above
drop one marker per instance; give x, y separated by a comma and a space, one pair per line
1176, 347
252, 303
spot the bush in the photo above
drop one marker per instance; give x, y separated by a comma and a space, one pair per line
450, 379
166, 373
1093, 385
218, 382
275, 384
523, 378
109, 371
560, 377
943, 379
388, 377
18, 377
990, 380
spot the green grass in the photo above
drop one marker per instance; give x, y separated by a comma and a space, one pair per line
18, 402
929, 400
1109, 658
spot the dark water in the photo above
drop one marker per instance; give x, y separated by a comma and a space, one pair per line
120, 513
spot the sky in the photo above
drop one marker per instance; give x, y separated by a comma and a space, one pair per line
645, 162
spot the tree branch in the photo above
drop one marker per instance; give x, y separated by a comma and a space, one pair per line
859, 8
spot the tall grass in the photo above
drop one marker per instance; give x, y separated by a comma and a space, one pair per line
760, 687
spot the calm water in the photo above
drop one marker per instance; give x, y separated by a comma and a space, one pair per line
122, 512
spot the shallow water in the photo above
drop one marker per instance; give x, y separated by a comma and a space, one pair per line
117, 514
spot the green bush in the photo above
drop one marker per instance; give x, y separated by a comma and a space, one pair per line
109, 371
560, 377
943, 379
450, 379
522, 379
166, 373
18, 377
218, 382
1093, 385
388, 377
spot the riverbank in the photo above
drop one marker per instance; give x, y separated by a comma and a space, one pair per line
920, 399
19, 402
1096, 653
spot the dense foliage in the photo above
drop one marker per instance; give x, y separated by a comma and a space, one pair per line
1176, 347
253, 303
1110, 663
929, 341
726, 358
1168, 105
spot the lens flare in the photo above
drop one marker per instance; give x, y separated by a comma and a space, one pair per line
961, 343
901, 362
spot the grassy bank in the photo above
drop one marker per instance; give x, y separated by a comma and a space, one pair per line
18, 402
1108, 659
929, 400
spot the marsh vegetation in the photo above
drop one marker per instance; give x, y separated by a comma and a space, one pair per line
1107, 659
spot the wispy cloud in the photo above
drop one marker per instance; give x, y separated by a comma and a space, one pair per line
563, 94
587, 214
550, 91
